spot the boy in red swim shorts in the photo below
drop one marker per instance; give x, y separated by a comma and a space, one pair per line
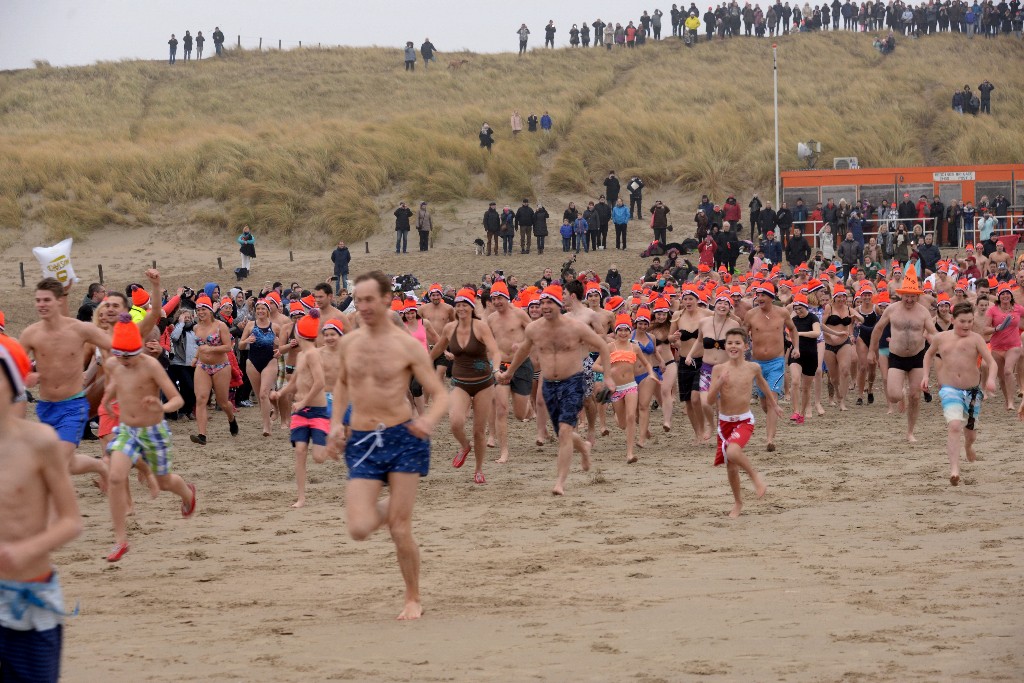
731, 384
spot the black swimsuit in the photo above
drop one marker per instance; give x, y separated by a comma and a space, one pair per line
836, 320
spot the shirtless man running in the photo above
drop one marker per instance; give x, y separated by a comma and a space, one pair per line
438, 313
387, 445
911, 326
558, 339
38, 514
600, 322
508, 325
766, 323
58, 344
959, 383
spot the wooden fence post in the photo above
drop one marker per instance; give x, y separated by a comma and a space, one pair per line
101, 273
220, 266
21, 267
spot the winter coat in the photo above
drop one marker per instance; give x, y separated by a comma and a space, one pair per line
492, 221
659, 216
525, 217
604, 213
423, 220
620, 214
731, 210
540, 222
508, 223
402, 216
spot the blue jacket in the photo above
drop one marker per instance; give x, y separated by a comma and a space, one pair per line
545, 122
620, 214
772, 250
580, 226
566, 230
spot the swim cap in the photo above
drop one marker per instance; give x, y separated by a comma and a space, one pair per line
308, 326
127, 340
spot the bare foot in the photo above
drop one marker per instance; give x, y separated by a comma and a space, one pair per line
540, 442
300, 503
842, 407
491, 444
770, 447
911, 438
954, 479
558, 490
736, 509
631, 460
666, 427
641, 444
605, 432
759, 486
648, 435
971, 455
266, 433
585, 457
821, 411
413, 610
503, 459
901, 407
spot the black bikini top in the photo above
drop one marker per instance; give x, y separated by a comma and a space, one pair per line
711, 343
684, 335
836, 320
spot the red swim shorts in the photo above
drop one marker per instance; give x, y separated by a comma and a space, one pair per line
108, 421
733, 429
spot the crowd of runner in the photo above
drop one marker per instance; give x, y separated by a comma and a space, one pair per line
369, 378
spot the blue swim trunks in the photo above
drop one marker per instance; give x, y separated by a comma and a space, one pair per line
31, 631
312, 423
774, 372
330, 403
377, 453
67, 417
564, 398
962, 405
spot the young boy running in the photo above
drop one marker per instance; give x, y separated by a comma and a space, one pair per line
138, 380
959, 380
311, 420
38, 514
732, 383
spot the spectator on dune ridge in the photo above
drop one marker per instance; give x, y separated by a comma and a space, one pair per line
427, 51
341, 257
173, 44
218, 41
186, 46
410, 57
199, 44
524, 35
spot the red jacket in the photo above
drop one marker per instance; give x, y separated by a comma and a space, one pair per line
922, 209
730, 211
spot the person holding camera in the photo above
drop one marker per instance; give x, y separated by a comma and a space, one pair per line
183, 354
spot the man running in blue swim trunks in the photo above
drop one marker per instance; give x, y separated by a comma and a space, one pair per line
766, 323
559, 340
38, 514
387, 445
57, 343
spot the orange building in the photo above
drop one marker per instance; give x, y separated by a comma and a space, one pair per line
964, 183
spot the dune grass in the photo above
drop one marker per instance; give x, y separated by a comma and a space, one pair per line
301, 144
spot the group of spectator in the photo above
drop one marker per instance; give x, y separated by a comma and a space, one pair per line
731, 19
516, 121
967, 102
427, 51
187, 42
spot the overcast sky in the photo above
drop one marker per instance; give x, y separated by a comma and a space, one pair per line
71, 32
